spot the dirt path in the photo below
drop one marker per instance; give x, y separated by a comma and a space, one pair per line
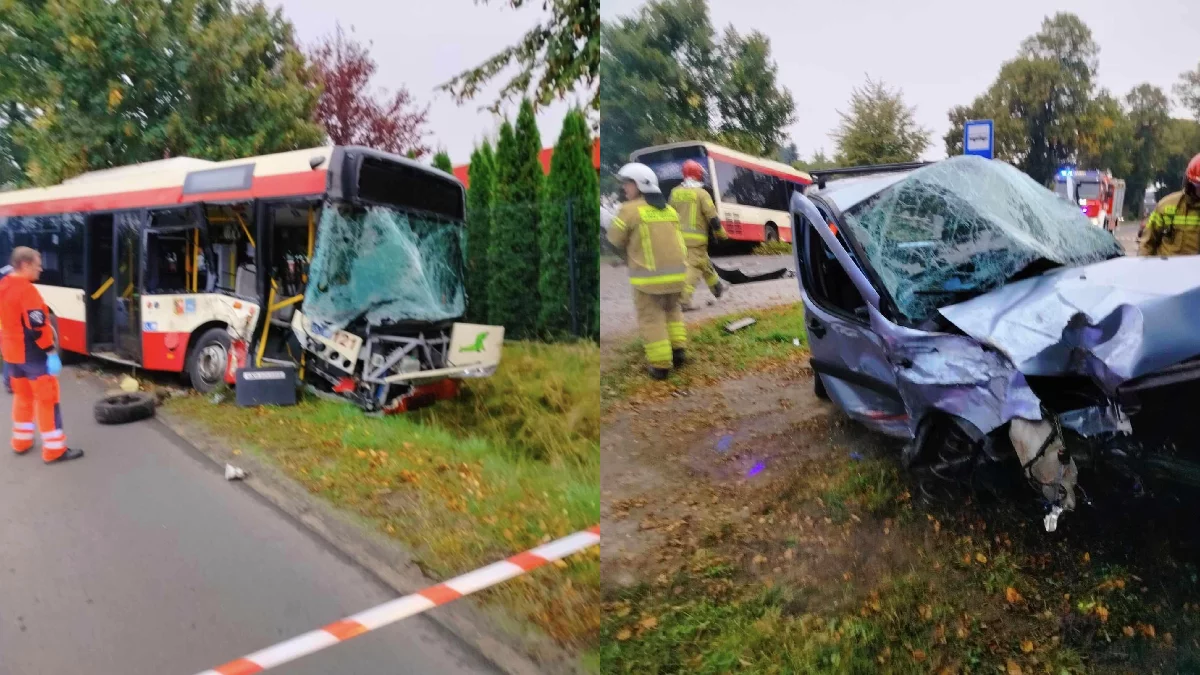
720, 463
617, 319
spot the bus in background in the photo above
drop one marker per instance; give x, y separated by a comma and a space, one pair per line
751, 194
202, 268
1098, 194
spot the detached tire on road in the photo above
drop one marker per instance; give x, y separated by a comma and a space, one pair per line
124, 408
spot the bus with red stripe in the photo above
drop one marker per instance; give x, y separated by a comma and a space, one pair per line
202, 268
751, 194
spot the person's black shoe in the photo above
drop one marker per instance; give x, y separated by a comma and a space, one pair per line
658, 373
678, 358
71, 453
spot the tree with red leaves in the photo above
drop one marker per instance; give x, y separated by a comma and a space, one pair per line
354, 115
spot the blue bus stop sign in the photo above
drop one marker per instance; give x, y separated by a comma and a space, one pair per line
978, 138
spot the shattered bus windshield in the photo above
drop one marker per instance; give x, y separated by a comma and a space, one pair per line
965, 226
386, 265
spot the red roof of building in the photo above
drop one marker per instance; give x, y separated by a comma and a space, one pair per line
460, 172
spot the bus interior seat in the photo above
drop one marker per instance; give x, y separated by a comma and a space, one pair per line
245, 284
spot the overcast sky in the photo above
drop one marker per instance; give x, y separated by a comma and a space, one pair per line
941, 53
421, 44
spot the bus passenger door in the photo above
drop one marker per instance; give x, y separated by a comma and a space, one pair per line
100, 296
127, 260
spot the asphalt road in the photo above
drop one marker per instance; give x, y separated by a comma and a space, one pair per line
141, 558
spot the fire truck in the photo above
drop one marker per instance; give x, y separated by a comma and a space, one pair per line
1098, 194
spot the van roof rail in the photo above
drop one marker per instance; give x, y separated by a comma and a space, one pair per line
820, 175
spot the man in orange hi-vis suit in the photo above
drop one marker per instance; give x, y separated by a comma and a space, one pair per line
27, 345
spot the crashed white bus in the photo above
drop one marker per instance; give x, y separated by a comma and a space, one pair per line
343, 261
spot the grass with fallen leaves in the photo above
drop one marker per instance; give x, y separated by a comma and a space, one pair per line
830, 567
773, 248
514, 461
713, 354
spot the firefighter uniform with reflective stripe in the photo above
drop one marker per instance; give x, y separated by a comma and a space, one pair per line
696, 210
1173, 228
25, 342
656, 256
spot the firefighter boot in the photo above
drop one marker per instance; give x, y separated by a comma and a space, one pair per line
678, 358
658, 373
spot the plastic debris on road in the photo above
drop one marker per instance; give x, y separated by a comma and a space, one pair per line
129, 385
234, 473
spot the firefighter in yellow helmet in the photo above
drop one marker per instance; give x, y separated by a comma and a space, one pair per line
1174, 227
646, 231
697, 216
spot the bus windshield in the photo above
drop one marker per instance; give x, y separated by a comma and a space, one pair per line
385, 264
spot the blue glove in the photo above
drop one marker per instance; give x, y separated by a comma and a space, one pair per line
53, 363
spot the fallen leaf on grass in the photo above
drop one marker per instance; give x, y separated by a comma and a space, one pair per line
1011, 595
918, 655
1027, 646
981, 558
1146, 629
1087, 557
648, 623
939, 634
1168, 639
1102, 612
926, 612
624, 634
1012, 668
1128, 631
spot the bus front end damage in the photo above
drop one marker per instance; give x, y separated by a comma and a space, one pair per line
1093, 368
380, 322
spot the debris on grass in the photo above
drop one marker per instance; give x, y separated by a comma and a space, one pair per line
735, 326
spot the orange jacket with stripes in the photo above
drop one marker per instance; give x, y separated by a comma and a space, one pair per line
27, 336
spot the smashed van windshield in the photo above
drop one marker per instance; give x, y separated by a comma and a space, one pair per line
965, 226
388, 265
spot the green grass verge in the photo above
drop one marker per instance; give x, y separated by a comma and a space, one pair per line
773, 248
713, 353
513, 462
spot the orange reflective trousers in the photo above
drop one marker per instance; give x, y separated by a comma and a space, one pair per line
35, 393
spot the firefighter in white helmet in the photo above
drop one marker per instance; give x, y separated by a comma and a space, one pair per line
646, 230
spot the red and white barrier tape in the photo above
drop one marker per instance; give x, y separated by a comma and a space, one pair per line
402, 608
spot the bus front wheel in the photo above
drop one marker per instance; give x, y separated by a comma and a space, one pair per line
771, 234
209, 359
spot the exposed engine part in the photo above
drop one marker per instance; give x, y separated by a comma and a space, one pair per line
1045, 461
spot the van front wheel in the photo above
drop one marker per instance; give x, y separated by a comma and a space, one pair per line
209, 359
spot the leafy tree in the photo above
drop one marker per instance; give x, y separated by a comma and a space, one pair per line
572, 191
441, 160
1040, 102
92, 84
818, 161
480, 200
750, 101
665, 77
559, 54
879, 128
1188, 91
657, 78
1149, 113
788, 153
1180, 142
513, 249
354, 115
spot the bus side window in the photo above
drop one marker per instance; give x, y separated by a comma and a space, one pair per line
166, 259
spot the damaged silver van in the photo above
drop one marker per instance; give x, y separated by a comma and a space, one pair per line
965, 308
